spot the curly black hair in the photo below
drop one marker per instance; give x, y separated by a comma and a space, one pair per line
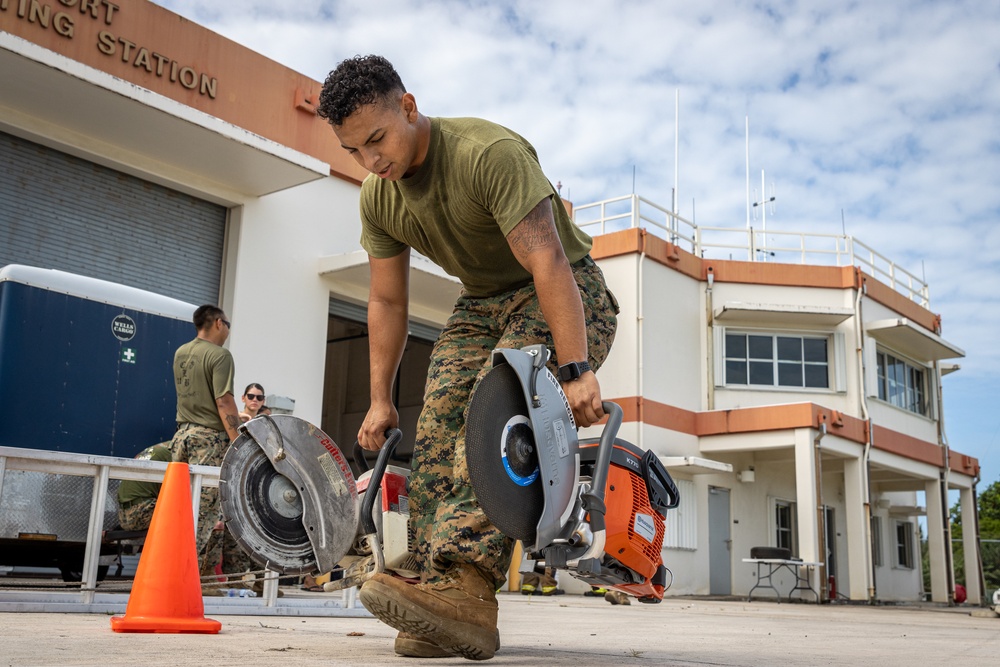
356, 82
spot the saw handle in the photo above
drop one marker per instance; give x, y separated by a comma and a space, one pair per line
393, 436
593, 501
359, 452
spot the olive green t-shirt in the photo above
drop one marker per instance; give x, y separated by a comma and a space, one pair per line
478, 181
131, 490
203, 372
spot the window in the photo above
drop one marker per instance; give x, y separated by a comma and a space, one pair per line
682, 522
901, 384
877, 540
777, 360
904, 544
784, 526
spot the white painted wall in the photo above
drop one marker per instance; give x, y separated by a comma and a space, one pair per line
280, 304
893, 582
617, 375
673, 338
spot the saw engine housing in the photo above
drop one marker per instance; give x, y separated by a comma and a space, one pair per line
638, 494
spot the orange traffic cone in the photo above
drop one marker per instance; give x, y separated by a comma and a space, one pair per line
166, 595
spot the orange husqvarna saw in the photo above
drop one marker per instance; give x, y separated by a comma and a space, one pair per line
594, 508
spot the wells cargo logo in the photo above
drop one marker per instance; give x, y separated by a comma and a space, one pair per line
123, 327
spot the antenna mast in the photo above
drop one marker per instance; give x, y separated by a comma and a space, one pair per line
764, 201
748, 173
677, 125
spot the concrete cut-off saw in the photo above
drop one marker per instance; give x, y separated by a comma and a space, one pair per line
291, 501
594, 508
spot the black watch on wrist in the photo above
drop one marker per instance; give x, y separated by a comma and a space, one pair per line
573, 370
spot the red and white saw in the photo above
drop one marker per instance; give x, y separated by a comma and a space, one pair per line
291, 501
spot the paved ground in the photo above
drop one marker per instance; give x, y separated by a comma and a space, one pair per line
565, 630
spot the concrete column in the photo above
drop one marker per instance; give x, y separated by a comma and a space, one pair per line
972, 583
806, 501
936, 542
858, 531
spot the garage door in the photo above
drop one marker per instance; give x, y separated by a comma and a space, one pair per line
61, 212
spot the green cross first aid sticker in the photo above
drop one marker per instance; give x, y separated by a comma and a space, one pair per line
128, 355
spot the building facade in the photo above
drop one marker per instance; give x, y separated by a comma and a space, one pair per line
814, 378
141, 148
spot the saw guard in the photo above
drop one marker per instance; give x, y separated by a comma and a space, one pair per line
316, 470
555, 437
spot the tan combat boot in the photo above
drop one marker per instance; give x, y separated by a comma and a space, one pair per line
416, 646
458, 613
616, 597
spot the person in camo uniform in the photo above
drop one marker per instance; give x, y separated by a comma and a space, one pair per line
136, 500
471, 196
207, 420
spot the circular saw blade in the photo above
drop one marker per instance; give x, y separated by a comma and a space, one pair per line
502, 455
264, 511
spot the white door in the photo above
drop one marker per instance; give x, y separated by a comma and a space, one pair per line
719, 542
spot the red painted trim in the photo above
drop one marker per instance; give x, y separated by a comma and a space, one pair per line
791, 416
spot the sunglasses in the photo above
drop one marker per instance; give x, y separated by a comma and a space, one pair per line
255, 397
228, 325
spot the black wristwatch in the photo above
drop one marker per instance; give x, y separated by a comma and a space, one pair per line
573, 370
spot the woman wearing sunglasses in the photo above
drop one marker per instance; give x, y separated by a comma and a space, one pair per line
253, 401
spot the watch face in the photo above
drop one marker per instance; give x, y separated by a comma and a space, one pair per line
570, 371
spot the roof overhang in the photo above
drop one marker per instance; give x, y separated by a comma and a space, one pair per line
912, 340
908, 510
432, 291
60, 103
737, 312
694, 465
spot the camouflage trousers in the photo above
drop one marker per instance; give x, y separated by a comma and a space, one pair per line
223, 550
137, 515
446, 523
199, 445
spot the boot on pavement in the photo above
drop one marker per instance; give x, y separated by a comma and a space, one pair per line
458, 612
616, 597
416, 646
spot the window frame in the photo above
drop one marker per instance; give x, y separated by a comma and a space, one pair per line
877, 558
778, 530
681, 523
889, 388
904, 548
834, 366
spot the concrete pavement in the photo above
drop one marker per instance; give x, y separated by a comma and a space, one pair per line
565, 630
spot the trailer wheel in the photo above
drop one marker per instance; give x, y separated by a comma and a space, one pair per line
74, 573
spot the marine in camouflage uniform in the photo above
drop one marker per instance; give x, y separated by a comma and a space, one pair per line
471, 196
207, 419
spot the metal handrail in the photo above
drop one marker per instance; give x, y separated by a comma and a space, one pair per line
87, 598
102, 469
753, 245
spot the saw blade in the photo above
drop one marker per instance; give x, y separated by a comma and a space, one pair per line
284, 499
502, 455
264, 511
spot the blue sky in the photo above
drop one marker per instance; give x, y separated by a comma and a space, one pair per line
881, 118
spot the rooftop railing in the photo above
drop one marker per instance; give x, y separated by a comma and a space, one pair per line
752, 245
